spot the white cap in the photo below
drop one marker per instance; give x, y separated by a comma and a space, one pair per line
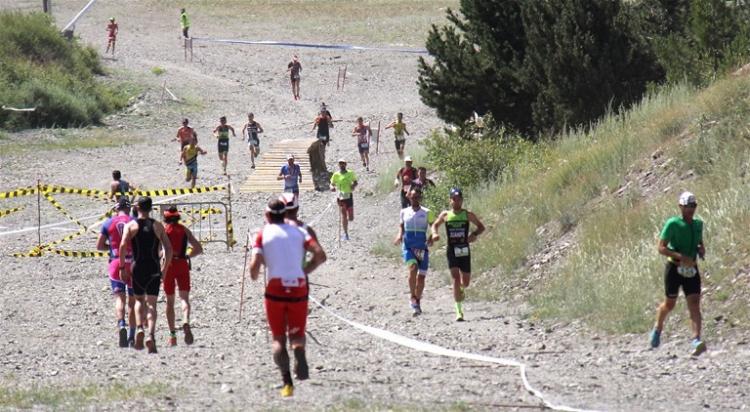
289, 156
407, 159
687, 198
290, 200
342, 160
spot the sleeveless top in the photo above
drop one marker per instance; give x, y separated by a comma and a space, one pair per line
178, 239
223, 132
146, 244
398, 130
457, 228
252, 131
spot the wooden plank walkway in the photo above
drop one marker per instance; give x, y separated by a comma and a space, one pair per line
267, 167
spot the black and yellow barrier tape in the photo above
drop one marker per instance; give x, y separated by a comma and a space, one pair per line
6, 212
26, 191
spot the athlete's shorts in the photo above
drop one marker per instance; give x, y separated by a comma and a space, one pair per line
118, 286
294, 78
223, 145
146, 279
179, 273
286, 309
412, 257
253, 143
323, 137
400, 145
363, 148
673, 281
191, 170
459, 257
348, 204
184, 143
404, 200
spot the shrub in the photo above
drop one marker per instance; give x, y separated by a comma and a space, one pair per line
39, 68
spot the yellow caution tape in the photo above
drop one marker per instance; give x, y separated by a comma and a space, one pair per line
18, 192
78, 253
181, 191
9, 211
100, 194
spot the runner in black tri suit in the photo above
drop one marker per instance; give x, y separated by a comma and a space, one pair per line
146, 237
252, 129
457, 221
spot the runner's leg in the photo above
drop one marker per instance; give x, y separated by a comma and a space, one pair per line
663, 311
170, 312
420, 286
694, 308
185, 300
457, 292
413, 280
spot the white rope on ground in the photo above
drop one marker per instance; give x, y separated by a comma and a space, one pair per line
441, 351
78, 16
13, 109
312, 45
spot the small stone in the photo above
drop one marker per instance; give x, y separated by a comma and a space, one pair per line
226, 388
99, 343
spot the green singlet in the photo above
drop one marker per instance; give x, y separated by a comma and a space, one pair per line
683, 237
457, 228
223, 132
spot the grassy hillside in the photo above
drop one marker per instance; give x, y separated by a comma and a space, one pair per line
38, 68
596, 201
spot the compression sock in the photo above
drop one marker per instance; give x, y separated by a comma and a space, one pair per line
281, 358
121, 323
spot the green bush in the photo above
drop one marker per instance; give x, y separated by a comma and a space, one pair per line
39, 68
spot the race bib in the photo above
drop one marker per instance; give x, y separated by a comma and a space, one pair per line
364, 146
290, 283
344, 196
687, 271
461, 251
418, 253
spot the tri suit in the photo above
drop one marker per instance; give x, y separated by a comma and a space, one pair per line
146, 267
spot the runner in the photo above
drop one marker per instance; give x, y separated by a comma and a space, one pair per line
190, 157
291, 174
184, 23
281, 248
112, 30
109, 239
412, 235
404, 178
457, 221
345, 181
119, 186
422, 181
399, 128
294, 68
146, 236
252, 129
179, 272
681, 240
324, 123
363, 134
185, 135
222, 134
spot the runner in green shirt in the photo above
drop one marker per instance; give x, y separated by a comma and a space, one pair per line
345, 181
681, 240
184, 23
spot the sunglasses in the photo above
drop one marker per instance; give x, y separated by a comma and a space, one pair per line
691, 205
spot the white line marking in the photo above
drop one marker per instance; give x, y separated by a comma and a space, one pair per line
441, 351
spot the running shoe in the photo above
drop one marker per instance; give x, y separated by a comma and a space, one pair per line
123, 337
287, 391
188, 333
151, 344
345, 237
172, 340
252, 167
459, 312
698, 347
416, 307
461, 294
139, 335
655, 338
300, 364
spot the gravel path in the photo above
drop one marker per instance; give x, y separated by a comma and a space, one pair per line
56, 323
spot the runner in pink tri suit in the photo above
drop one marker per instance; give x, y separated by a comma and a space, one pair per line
109, 240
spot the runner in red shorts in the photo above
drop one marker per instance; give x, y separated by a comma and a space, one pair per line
179, 272
281, 247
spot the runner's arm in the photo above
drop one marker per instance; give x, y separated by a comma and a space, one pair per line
182, 155
702, 250
232, 129
479, 230
196, 246
436, 226
101, 242
400, 235
113, 187
299, 172
318, 256
200, 150
406, 131
130, 230
255, 263
391, 124
354, 185
664, 250
165, 244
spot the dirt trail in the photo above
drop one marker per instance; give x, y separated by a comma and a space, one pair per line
56, 326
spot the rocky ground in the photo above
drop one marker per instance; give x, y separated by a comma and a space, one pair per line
56, 325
